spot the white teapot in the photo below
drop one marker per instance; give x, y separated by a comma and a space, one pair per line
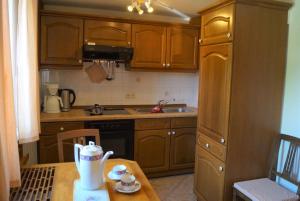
90, 165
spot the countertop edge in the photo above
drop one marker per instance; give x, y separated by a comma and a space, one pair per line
78, 115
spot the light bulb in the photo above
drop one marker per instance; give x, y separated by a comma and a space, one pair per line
130, 8
150, 9
141, 11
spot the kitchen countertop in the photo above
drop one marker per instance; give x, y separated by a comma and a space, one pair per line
82, 115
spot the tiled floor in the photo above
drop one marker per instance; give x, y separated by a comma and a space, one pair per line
175, 188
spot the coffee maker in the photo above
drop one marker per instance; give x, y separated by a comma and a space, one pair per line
52, 102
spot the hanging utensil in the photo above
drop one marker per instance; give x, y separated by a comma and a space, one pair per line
110, 70
96, 72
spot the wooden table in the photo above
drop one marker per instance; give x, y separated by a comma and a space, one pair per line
66, 173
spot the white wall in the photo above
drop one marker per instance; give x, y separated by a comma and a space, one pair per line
291, 108
128, 87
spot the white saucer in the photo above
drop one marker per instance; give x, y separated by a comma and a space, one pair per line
114, 176
121, 189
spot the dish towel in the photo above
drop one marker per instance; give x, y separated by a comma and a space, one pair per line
80, 194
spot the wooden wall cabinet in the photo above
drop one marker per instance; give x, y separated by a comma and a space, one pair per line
157, 46
47, 145
61, 42
182, 48
167, 148
107, 33
149, 43
240, 93
164, 47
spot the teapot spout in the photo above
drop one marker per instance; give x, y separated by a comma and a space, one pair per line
106, 156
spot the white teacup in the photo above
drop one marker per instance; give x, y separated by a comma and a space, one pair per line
128, 181
119, 170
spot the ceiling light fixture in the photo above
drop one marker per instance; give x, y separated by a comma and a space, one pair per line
137, 4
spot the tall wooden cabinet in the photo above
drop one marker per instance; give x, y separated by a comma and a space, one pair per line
242, 71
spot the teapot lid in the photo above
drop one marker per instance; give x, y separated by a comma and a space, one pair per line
91, 149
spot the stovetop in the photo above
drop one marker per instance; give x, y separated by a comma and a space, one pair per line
108, 111
100, 110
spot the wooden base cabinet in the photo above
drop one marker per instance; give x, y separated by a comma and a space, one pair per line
182, 146
47, 145
242, 71
152, 149
167, 149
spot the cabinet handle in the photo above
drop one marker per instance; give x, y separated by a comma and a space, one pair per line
164, 64
80, 61
228, 35
221, 169
207, 145
173, 132
169, 133
62, 129
200, 40
129, 43
168, 65
222, 140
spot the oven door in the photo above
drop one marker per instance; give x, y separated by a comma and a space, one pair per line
120, 142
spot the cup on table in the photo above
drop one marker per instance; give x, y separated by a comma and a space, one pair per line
128, 181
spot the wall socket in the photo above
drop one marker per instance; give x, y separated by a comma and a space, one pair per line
130, 96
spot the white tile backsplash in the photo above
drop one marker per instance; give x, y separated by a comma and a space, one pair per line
127, 88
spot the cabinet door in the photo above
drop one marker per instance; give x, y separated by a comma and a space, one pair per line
61, 41
107, 33
217, 26
149, 43
152, 148
214, 94
182, 154
182, 48
209, 177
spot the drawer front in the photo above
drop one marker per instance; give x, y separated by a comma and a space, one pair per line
217, 26
184, 122
52, 128
152, 124
212, 147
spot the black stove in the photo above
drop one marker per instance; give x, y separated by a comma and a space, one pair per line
100, 110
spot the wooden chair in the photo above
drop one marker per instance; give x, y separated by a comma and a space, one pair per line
78, 137
266, 189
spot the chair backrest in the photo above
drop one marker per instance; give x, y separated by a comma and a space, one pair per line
287, 148
78, 137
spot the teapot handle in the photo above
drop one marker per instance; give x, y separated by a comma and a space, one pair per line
76, 155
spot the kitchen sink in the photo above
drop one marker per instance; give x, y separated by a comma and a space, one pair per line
165, 110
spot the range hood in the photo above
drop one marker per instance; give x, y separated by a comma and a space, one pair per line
109, 53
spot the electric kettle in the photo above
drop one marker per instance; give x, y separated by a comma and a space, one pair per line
67, 102
90, 165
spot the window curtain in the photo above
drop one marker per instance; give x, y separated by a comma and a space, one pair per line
9, 158
26, 83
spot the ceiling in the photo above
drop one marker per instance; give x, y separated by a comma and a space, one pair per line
164, 10
186, 7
